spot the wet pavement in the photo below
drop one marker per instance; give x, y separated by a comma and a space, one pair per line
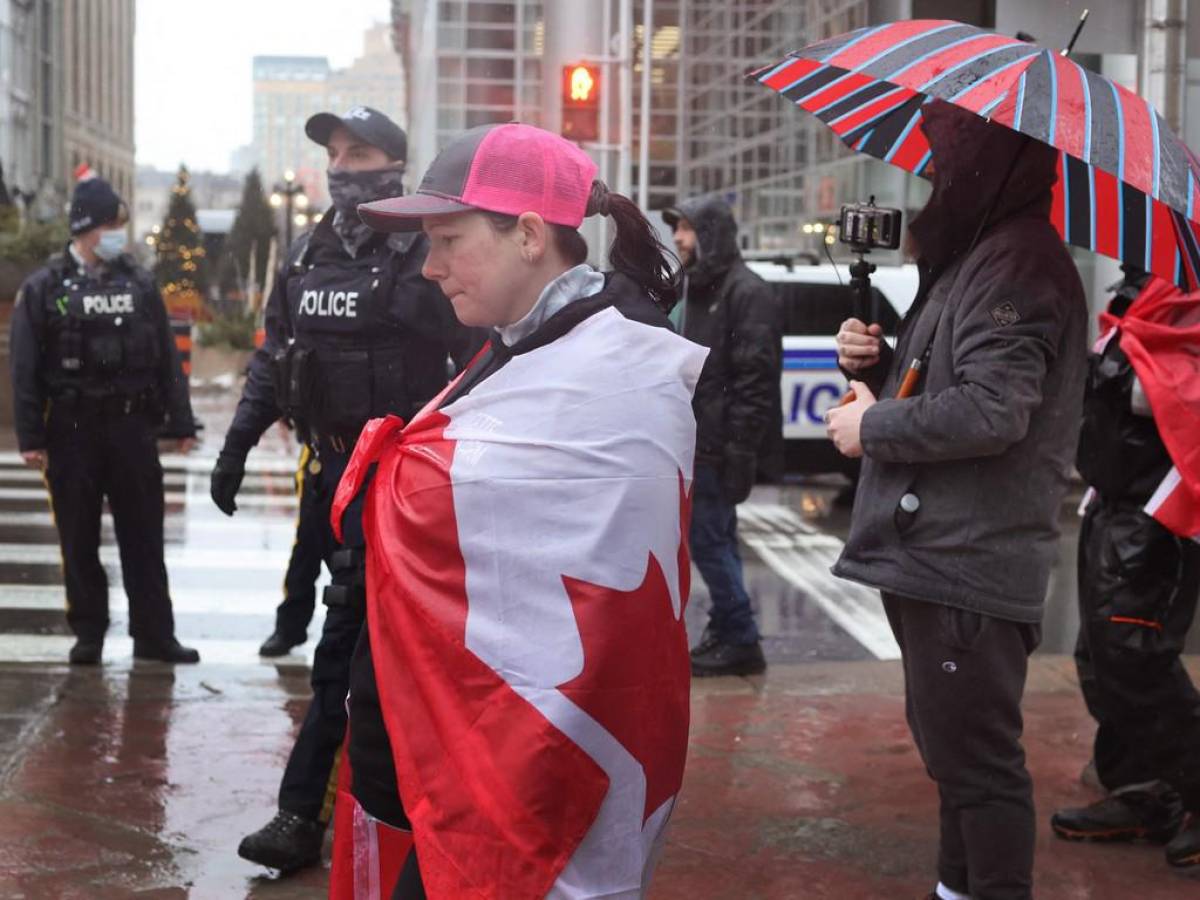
136, 780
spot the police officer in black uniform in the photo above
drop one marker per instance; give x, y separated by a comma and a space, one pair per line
353, 332
96, 381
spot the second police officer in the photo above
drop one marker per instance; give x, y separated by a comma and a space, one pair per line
97, 381
353, 331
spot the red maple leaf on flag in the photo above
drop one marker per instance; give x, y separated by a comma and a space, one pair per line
636, 674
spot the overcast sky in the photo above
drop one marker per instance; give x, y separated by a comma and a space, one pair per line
192, 67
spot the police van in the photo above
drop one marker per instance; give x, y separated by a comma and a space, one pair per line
816, 300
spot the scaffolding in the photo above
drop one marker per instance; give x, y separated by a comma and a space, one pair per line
777, 167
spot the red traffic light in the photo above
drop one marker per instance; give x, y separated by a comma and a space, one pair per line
581, 85
581, 102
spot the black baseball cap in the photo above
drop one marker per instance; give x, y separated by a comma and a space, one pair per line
364, 123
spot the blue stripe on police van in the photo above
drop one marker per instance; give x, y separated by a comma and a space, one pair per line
809, 359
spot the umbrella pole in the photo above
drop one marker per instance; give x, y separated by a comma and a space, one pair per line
1066, 51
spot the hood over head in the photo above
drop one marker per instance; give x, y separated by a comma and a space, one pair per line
716, 236
974, 177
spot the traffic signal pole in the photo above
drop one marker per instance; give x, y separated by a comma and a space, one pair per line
625, 59
643, 197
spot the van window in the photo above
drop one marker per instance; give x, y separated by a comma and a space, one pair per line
820, 309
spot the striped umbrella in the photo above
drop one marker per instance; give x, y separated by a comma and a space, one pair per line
1127, 185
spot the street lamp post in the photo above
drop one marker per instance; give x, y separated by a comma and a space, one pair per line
290, 195
306, 218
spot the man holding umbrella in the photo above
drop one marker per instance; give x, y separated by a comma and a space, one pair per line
967, 454
956, 511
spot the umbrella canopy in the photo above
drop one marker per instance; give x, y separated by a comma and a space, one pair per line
1127, 185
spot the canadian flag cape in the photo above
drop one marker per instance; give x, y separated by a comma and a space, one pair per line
527, 572
1160, 333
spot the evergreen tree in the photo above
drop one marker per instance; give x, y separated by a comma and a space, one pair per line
252, 233
181, 266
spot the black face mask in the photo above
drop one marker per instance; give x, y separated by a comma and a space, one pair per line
348, 189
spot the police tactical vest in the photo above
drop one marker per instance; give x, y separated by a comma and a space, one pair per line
101, 337
345, 364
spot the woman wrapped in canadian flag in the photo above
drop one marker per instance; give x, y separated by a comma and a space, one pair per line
519, 700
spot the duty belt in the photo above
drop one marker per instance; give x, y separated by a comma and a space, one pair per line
108, 405
338, 443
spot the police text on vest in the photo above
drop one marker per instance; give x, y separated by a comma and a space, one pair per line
107, 304
342, 304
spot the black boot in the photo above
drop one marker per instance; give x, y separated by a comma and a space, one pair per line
1151, 811
287, 843
1183, 851
708, 640
729, 659
170, 651
86, 653
279, 644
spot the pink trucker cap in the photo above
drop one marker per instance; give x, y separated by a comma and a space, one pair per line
509, 169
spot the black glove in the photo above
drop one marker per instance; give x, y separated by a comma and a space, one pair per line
227, 477
737, 474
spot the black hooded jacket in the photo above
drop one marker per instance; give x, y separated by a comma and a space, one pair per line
982, 451
729, 309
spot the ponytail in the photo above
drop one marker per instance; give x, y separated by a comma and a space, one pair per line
636, 251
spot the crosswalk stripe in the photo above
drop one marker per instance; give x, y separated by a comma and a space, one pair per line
118, 651
281, 499
189, 463
265, 533
184, 602
801, 555
282, 483
181, 556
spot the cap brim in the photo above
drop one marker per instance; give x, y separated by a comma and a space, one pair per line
405, 213
671, 216
320, 126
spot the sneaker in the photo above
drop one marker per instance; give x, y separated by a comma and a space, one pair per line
287, 843
170, 651
1151, 812
86, 653
1183, 850
729, 659
279, 644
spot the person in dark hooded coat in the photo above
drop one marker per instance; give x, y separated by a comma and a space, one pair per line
739, 418
955, 518
1139, 585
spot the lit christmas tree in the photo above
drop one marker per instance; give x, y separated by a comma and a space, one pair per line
181, 267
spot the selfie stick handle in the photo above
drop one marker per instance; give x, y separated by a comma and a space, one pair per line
865, 308
860, 281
